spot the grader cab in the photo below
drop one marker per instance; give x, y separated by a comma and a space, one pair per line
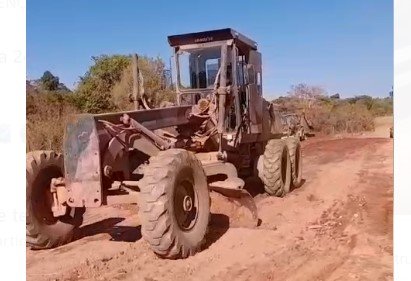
169, 160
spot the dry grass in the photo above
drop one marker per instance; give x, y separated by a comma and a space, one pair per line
47, 115
153, 89
335, 116
344, 118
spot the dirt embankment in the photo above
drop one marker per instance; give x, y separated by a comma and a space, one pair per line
337, 226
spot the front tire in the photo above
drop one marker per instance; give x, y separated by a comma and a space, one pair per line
175, 204
43, 230
274, 168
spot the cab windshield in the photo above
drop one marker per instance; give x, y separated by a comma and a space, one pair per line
198, 68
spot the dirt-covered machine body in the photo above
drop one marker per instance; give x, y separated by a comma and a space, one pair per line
169, 159
103, 148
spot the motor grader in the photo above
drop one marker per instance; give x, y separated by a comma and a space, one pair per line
169, 160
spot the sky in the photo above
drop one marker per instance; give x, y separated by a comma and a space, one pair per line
344, 46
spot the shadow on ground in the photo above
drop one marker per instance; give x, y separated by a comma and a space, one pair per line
109, 226
219, 224
256, 188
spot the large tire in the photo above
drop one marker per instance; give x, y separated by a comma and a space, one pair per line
170, 178
294, 149
274, 168
43, 230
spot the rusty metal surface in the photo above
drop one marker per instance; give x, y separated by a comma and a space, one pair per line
86, 142
82, 162
152, 119
162, 144
222, 94
59, 192
240, 199
276, 125
255, 93
219, 120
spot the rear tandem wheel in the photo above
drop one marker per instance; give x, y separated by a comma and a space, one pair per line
274, 168
294, 149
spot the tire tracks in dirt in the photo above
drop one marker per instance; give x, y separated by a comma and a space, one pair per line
337, 226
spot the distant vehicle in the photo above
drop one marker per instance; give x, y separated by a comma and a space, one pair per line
296, 125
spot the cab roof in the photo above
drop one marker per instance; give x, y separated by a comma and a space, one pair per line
210, 36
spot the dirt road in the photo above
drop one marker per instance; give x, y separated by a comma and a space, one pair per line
382, 126
337, 226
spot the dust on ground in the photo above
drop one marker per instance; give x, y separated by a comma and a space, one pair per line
337, 226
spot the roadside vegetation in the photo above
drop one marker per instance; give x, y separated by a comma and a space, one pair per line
107, 86
329, 114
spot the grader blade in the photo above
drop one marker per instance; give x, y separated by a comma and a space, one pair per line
236, 203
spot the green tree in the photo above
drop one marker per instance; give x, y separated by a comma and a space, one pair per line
108, 83
154, 84
94, 91
49, 82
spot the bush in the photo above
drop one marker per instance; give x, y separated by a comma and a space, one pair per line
350, 118
331, 116
109, 82
93, 94
105, 87
46, 118
382, 107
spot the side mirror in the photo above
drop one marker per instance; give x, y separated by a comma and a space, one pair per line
250, 79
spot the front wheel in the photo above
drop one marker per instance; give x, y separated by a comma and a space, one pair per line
43, 230
175, 204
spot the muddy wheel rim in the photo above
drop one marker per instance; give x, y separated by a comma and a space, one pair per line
42, 198
185, 204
